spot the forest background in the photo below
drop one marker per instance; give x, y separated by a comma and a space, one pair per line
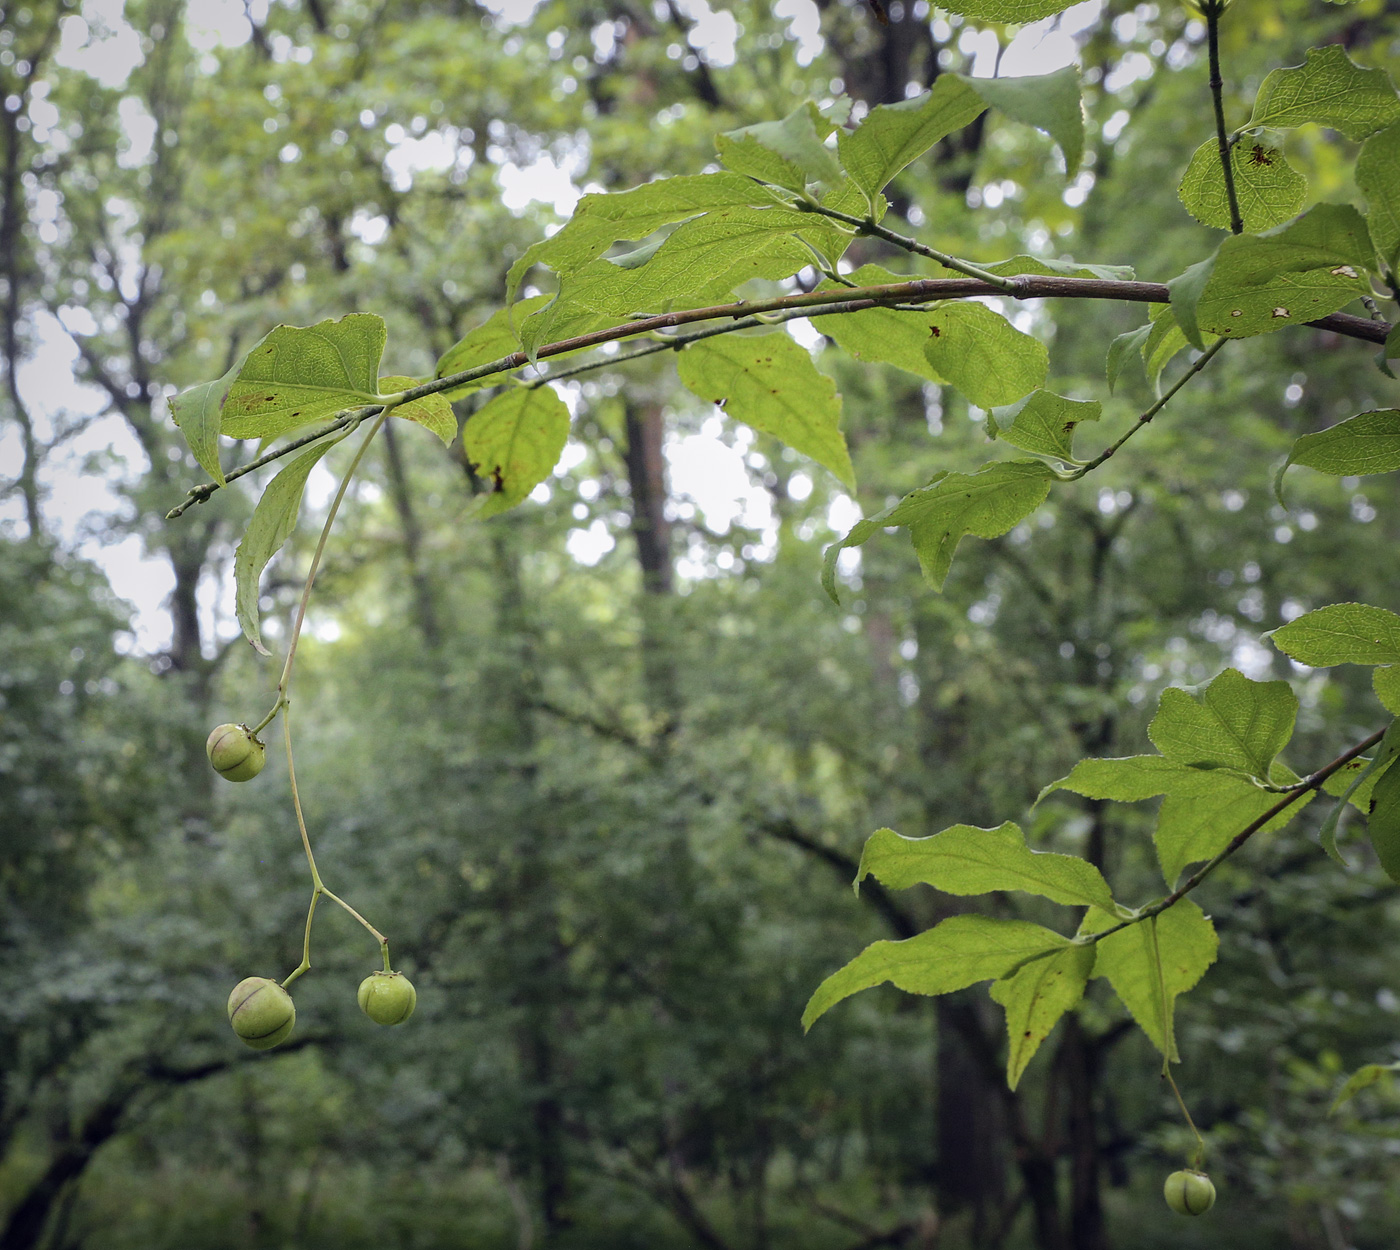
604, 764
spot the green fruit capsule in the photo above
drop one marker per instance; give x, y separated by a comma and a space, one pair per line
387, 997
1189, 1193
261, 1012
235, 752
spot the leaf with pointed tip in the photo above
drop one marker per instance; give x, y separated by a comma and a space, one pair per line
1386, 683
893, 135
1165, 339
967, 860
1341, 633
768, 381
199, 412
882, 335
1121, 349
985, 504
1267, 188
514, 441
1329, 88
299, 375
432, 412
1378, 177
961, 951
1008, 10
273, 520
1051, 267
1232, 723
1356, 784
1151, 964
790, 153
1035, 997
1185, 291
983, 355
494, 339
1049, 102
1043, 423
1366, 443
1289, 275
1384, 822
1362, 1078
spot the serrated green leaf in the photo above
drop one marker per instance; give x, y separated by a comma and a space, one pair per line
433, 412
299, 375
1164, 341
1364, 1077
1185, 291
768, 381
1378, 177
493, 339
1008, 10
968, 860
1287, 276
983, 355
1366, 443
1341, 633
1049, 102
1126, 779
1384, 822
880, 334
1329, 89
986, 504
600, 220
788, 153
1386, 683
1233, 723
1267, 188
1048, 267
199, 412
961, 951
1356, 784
1121, 349
1035, 997
1043, 423
893, 135
1150, 964
514, 441
273, 520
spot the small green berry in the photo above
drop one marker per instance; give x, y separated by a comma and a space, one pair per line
261, 1012
235, 752
1189, 1193
387, 997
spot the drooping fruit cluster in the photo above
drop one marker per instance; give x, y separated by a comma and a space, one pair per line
1189, 1193
235, 752
387, 997
261, 1012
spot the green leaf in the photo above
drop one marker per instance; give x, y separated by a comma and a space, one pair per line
299, 375
1378, 178
1185, 291
1269, 190
600, 220
983, 355
986, 504
1035, 997
1049, 102
788, 153
1362, 1078
1384, 823
493, 339
1287, 276
1341, 633
1356, 784
961, 951
1366, 443
1121, 348
1049, 267
273, 520
1008, 10
1164, 341
1329, 89
199, 412
1386, 683
968, 860
1043, 423
893, 135
768, 381
1233, 723
1150, 964
880, 334
515, 441
432, 411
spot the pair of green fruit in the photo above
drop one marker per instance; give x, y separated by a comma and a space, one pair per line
262, 1012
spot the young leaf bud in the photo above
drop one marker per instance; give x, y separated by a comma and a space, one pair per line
261, 1012
1189, 1193
235, 753
387, 997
